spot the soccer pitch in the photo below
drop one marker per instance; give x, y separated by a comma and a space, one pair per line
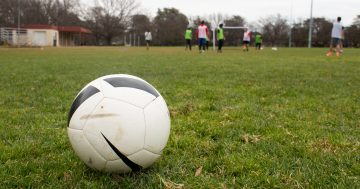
262, 119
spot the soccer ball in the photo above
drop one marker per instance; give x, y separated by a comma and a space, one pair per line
118, 123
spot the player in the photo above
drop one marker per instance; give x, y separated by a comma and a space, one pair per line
220, 38
148, 39
202, 33
335, 37
258, 41
246, 40
188, 38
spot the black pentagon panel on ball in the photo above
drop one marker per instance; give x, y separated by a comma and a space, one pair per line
131, 83
81, 98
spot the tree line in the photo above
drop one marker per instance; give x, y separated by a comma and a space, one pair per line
111, 20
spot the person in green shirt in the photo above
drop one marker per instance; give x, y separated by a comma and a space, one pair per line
188, 38
258, 41
220, 38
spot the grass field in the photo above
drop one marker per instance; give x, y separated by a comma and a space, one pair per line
287, 119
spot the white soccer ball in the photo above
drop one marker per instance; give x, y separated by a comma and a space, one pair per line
119, 123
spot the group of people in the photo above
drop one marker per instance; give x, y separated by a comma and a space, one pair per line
203, 36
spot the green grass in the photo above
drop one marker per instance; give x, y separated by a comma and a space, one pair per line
287, 119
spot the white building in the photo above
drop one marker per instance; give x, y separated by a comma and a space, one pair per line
45, 35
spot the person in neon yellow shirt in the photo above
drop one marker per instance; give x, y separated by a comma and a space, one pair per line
258, 41
188, 38
220, 38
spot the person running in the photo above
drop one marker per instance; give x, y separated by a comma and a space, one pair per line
188, 38
246, 40
148, 39
335, 37
202, 33
220, 38
258, 41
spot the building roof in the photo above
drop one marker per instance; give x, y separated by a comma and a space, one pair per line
71, 29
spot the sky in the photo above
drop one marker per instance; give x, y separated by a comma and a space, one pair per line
253, 10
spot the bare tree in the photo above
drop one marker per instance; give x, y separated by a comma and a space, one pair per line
299, 34
139, 25
8, 12
234, 37
31, 11
216, 19
109, 18
169, 27
62, 12
275, 30
53, 12
94, 23
352, 37
122, 9
321, 32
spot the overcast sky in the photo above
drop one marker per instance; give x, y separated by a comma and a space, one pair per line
252, 10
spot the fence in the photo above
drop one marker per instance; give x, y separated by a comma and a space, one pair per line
13, 36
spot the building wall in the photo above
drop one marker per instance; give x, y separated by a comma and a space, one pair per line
42, 37
67, 39
51, 37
